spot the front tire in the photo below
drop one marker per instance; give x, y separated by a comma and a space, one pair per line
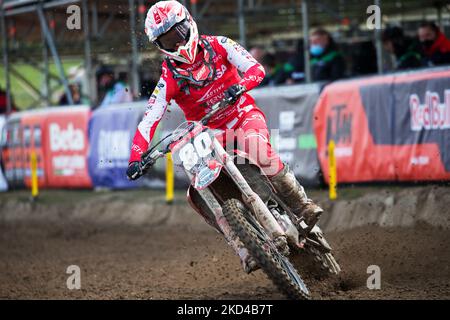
323, 257
324, 261
274, 264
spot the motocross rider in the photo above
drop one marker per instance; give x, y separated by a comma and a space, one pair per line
199, 71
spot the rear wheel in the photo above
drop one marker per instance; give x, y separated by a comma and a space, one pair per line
277, 266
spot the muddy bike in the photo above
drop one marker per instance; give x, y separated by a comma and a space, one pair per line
230, 186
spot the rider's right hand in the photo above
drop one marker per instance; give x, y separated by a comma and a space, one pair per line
134, 170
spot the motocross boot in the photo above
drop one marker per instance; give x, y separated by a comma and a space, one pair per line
294, 196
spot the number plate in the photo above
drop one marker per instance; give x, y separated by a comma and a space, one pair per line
205, 176
195, 154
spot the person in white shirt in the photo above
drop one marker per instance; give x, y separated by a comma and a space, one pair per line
116, 91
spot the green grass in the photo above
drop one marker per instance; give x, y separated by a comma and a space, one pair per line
21, 97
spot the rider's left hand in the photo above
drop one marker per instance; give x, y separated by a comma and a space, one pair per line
134, 170
233, 93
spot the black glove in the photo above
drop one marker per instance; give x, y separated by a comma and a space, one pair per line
134, 170
233, 93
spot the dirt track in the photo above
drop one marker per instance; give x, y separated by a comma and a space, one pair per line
172, 260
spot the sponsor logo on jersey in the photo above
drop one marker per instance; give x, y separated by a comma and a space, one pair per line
212, 92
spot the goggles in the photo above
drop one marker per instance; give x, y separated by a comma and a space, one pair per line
170, 40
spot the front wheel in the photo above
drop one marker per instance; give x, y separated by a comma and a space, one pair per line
263, 250
322, 255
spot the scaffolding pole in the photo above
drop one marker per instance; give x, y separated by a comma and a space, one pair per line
42, 4
305, 29
6, 61
439, 14
241, 19
194, 8
141, 36
46, 86
88, 52
52, 47
94, 9
134, 50
378, 44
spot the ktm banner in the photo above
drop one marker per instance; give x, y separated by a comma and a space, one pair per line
387, 128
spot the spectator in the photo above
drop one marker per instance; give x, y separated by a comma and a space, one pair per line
3, 101
327, 63
293, 70
363, 58
258, 53
405, 49
274, 70
148, 84
115, 91
76, 95
269, 62
4, 104
435, 46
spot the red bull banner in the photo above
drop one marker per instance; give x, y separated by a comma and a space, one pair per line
387, 128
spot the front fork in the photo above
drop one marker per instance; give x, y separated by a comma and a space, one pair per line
251, 198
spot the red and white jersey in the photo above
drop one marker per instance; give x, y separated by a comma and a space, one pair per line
229, 58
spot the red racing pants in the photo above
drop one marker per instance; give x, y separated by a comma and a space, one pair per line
252, 136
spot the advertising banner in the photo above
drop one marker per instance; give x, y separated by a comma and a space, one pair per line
173, 118
33, 124
387, 128
3, 182
289, 111
66, 146
13, 157
111, 132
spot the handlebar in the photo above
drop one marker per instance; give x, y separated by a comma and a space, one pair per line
149, 158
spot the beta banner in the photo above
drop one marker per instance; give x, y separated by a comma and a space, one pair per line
387, 128
65, 147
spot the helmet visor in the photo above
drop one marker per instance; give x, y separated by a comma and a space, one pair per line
177, 36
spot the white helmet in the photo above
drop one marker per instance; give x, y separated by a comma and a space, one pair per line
171, 28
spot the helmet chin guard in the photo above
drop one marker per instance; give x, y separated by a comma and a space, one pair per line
161, 18
196, 78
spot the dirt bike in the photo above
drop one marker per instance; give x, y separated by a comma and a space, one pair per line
230, 186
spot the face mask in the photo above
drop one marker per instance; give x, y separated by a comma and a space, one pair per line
427, 43
316, 50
